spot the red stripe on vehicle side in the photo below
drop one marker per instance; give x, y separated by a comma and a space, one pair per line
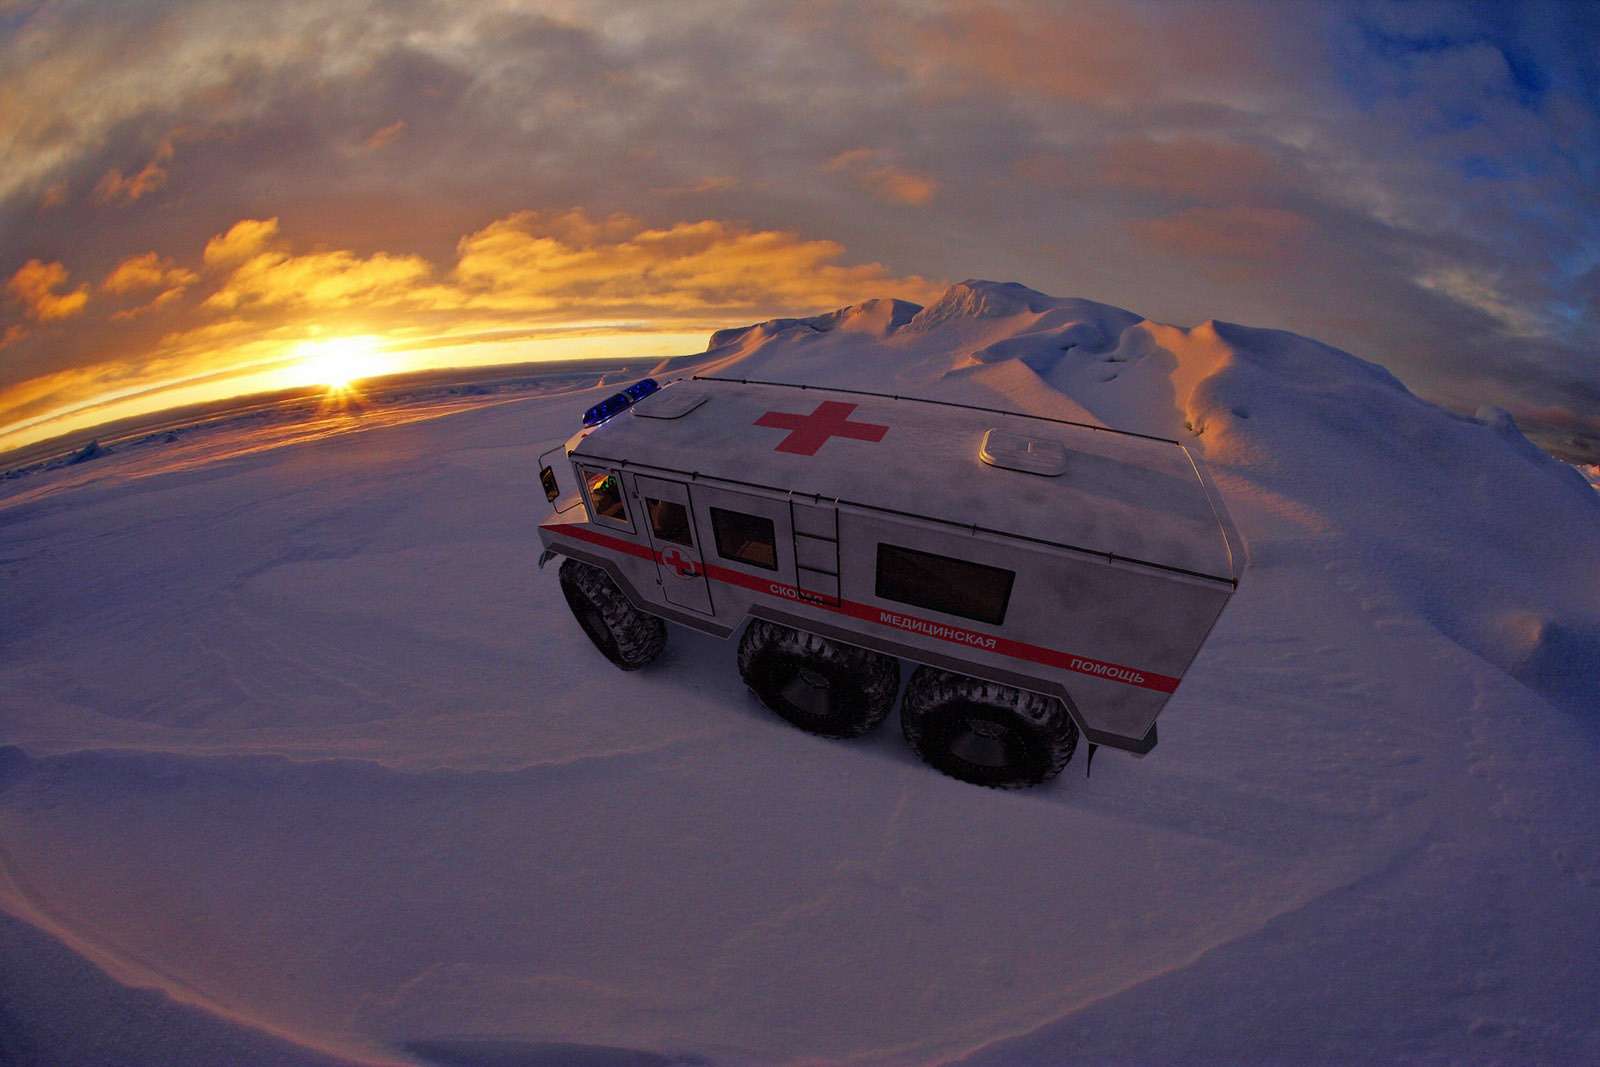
1005, 646
616, 544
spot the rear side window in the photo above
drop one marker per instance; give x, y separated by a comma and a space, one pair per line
669, 521
746, 538
605, 492
940, 583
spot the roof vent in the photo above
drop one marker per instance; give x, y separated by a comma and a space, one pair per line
1015, 452
671, 403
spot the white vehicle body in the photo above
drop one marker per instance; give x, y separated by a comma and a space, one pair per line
1069, 560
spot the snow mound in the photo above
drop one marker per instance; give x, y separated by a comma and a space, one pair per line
91, 451
1441, 506
1559, 657
877, 317
975, 299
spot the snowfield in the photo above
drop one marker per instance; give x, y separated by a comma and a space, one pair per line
305, 762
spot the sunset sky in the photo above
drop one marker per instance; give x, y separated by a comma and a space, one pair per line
199, 199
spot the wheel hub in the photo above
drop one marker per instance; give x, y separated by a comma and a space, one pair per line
813, 679
983, 742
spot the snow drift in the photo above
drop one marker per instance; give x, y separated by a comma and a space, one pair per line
308, 761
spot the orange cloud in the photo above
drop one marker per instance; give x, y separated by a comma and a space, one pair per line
54, 196
34, 285
884, 180
386, 135
244, 239
575, 265
161, 300
901, 186
145, 272
114, 188
14, 333
537, 265
327, 280
1254, 236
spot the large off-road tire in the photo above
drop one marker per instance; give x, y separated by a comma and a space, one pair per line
986, 733
818, 685
624, 635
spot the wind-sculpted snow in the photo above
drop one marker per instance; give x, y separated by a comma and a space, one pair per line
972, 301
877, 318
304, 749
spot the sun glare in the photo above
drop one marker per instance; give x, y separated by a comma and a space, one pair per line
338, 362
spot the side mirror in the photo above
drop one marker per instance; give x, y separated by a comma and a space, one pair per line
547, 478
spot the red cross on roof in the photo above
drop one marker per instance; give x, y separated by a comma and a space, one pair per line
807, 433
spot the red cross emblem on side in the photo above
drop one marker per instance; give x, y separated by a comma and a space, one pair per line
807, 433
686, 568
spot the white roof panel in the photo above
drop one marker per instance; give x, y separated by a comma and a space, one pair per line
1118, 494
670, 403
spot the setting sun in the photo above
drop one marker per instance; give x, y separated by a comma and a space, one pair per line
339, 362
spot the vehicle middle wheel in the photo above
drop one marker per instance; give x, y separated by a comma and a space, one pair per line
821, 686
985, 733
625, 635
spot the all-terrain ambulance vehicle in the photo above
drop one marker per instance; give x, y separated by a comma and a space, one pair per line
1047, 578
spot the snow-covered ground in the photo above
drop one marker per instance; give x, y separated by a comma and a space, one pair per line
308, 762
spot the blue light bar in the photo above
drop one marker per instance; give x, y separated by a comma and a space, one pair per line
641, 389
616, 404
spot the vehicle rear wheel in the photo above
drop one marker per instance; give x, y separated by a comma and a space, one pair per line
624, 635
986, 733
822, 686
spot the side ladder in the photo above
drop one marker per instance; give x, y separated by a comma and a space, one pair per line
816, 547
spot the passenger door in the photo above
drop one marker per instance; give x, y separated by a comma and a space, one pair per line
668, 519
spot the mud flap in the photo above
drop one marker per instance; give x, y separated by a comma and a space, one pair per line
546, 556
1088, 764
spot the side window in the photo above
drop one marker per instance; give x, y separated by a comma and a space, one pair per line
939, 583
605, 492
669, 521
747, 538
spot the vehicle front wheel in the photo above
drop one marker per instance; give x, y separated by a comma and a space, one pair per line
822, 686
986, 733
624, 635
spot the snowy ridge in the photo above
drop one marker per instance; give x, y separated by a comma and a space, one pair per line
355, 776
878, 317
975, 299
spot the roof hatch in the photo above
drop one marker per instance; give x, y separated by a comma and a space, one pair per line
1016, 452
